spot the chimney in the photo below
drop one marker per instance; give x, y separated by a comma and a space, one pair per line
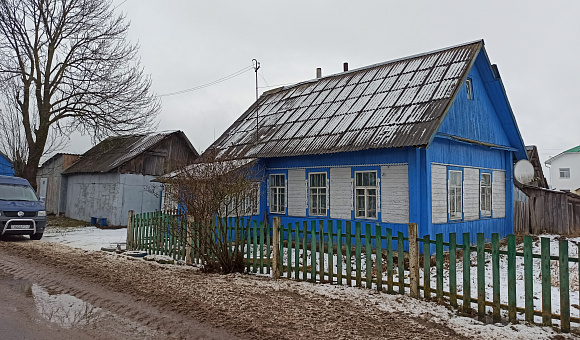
318, 72
345, 67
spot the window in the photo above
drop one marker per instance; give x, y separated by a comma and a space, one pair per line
317, 184
366, 194
564, 172
455, 192
485, 195
469, 88
278, 194
251, 200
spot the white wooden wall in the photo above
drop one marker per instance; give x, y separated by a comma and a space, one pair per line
470, 194
498, 194
438, 193
297, 192
340, 193
395, 193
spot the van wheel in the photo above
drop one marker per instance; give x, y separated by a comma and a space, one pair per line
36, 236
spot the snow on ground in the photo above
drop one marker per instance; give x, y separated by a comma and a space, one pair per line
87, 238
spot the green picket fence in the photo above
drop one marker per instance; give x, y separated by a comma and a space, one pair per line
332, 251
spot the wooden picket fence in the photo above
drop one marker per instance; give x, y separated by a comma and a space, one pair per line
324, 251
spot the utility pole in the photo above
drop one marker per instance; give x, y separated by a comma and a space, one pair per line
256, 65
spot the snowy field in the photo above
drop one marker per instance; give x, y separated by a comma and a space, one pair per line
87, 238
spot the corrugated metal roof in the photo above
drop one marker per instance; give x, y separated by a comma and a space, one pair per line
393, 104
115, 151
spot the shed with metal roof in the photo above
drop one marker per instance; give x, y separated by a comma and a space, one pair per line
429, 139
115, 175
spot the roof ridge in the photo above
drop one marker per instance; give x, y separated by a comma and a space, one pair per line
378, 64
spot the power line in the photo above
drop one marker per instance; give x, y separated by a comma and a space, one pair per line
228, 77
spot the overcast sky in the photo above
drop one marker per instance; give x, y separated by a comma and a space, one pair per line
185, 44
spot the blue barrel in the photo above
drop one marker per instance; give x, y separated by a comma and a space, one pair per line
103, 221
93, 221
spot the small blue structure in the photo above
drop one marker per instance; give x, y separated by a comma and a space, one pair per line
6, 166
428, 139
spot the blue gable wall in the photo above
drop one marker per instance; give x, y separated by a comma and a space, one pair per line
475, 119
6, 168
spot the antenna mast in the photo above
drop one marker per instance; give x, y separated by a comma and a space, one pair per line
256, 65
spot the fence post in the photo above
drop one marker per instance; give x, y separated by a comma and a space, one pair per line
546, 282
189, 240
564, 287
129, 244
276, 248
414, 259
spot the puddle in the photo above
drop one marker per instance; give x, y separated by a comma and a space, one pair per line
69, 312
64, 310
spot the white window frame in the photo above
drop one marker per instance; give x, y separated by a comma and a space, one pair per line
564, 172
456, 196
469, 88
367, 196
279, 192
318, 192
485, 195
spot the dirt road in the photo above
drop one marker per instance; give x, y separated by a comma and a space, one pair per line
78, 294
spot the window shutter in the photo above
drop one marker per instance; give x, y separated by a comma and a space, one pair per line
439, 209
395, 193
471, 194
340, 193
498, 194
295, 191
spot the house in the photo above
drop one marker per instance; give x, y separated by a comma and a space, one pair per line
6, 166
428, 139
51, 184
115, 175
565, 170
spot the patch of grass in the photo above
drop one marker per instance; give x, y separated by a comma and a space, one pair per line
64, 222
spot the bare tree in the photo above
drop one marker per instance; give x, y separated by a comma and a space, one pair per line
66, 65
207, 192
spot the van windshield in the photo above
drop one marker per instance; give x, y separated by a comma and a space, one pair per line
13, 192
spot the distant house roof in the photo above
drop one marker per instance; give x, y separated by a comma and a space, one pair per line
575, 149
534, 158
56, 156
393, 104
113, 152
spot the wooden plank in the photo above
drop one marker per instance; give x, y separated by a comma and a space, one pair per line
512, 278
348, 254
261, 245
414, 259
268, 248
564, 287
357, 241
297, 251
390, 261
248, 255
368, 257
276, 249
546, 282
313, 251
466, 274
495, 275
330, 252
480, 277
453, 269
427, 267
289, 252
321, 250
439, 263
304, 250
528, 279
255, 245
379, 255
339, 252
401, 261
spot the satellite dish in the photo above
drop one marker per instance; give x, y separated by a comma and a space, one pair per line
524, 171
